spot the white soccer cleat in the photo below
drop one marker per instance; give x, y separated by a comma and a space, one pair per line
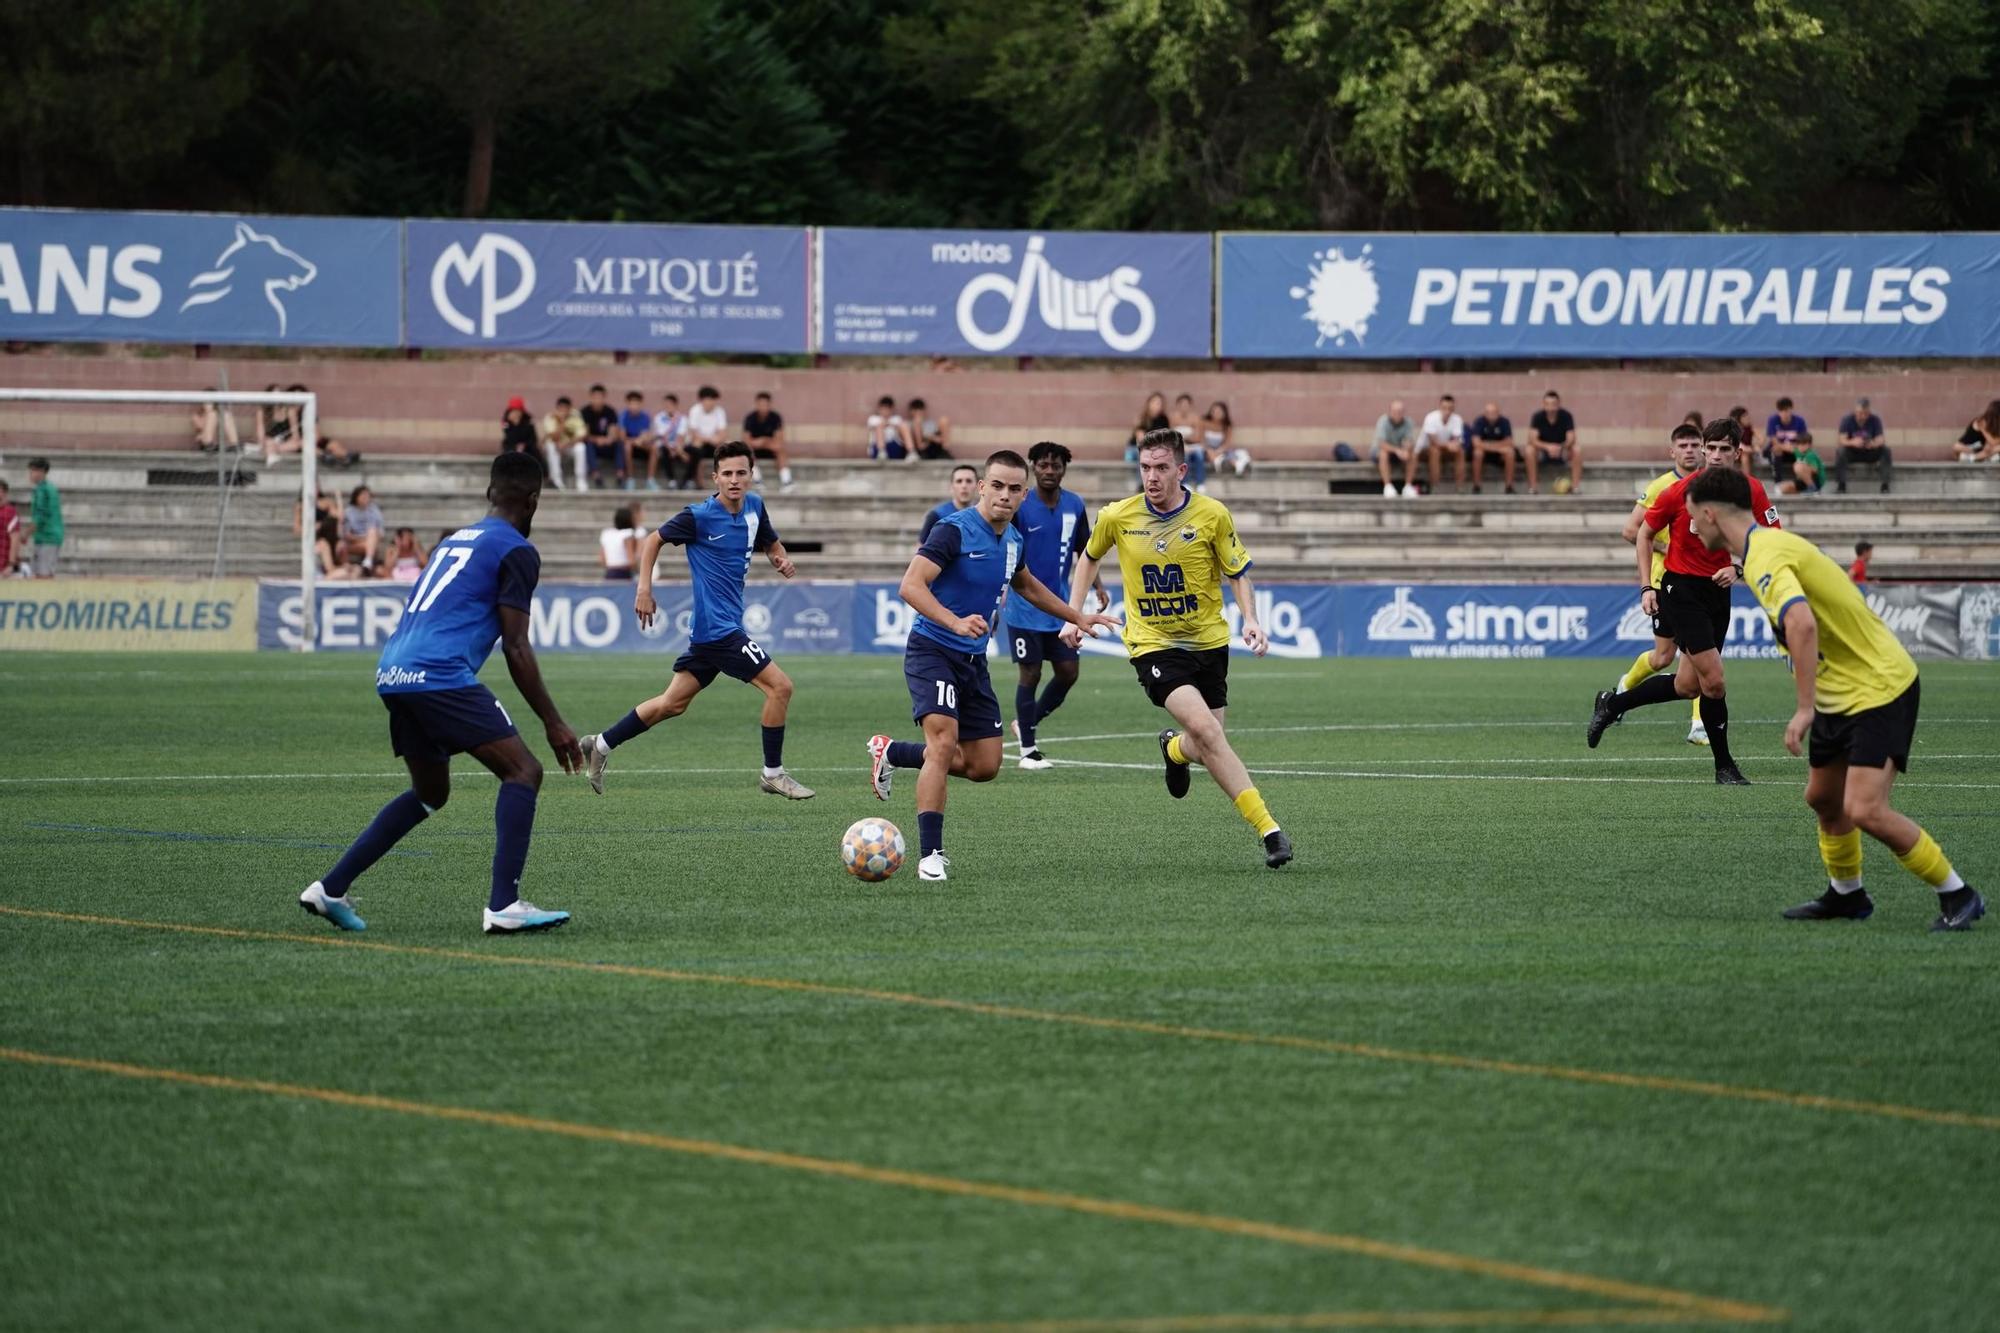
522, 915
319, 902
934, 866
1409, 491
785, 785
880, 775
594, 762
1697, 734
1035, 759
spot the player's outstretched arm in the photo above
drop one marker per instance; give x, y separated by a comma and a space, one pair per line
1037, 594
1254, 637
1800, 631
916, 590
527, 674
1083, 578
642, 600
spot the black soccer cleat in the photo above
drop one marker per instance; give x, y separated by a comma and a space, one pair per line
1602, 715
1834, 906
1177, 774
1277, 848
1728, 775
1958, 909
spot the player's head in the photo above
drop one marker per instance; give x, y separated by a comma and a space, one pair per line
1718, 496
733, 462
1162, 467
514, 488
1005, 482
964, 485
1719, 440
1685, 446
597, 395
1051, 464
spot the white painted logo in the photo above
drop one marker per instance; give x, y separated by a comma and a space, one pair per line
1401, 621
756, 619
1341, 296
252, 259
1065, 304
1635, 626
481, 269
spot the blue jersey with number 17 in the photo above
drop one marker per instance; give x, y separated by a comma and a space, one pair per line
452, 619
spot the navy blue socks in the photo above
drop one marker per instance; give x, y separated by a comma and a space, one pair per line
513, 825
906, 754
1025, 714
1052, 698
930, 831
624, 729
774, 747
390, 824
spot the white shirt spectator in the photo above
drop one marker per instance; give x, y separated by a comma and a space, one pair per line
617, 554
707, 423
667, 428
1446, 432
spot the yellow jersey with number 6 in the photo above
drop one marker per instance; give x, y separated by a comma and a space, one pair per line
1173, 566
1861, 663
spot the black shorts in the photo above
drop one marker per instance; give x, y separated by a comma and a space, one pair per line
1694, 611
953, 682
1163, 672
737, 656
1032, 647
434, 725
1867, 739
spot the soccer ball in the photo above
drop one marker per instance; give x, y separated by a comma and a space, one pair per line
872, 849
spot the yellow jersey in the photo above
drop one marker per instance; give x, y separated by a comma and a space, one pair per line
1173, 566
1861, 664
1654, 489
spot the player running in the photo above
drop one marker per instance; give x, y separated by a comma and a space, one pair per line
1054, 526
1174, 550
478, 588
964, 491
1857, 704
720, 534
1686, 449
1692, 600
955, 585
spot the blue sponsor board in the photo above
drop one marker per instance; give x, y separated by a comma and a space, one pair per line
199, 278
1350, 295
1457, 620
604, 285
1015, 293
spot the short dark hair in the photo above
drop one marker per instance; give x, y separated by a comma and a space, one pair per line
762, 398
1446, 398
708, 391
917, 404
1050, 449
1803, 437
734, 449
1720, 486
1722, 429
3, 484
1784, 404
885, 401
1687, 430
411, 531
621, 517
1006, 458
597, 388
1551, 393
635, 394
1165, 438
564, 401
1863, 547
670, 398
515, 477
39, 462
964, 467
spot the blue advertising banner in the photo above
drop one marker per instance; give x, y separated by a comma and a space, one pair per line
606, 285
199, 278
1350, 295
1014, 293
1455, 620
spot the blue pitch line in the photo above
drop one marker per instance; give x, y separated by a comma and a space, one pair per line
172, 835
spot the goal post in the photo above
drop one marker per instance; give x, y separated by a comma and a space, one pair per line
308, 404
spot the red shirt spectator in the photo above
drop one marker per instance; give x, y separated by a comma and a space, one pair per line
1858, 571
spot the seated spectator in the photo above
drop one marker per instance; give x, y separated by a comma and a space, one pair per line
1443, 433
407, 561
764, 431
332, 551
1194, 437
604, 439
332, 453
1746, 432
1981, 441
707, 426
1695, 419
562, 433
517, 428
932, 435
10, 531
1395, 440
1858, 571
1152, 417
1218, 436
888, 434
635, 423
322, 503
1860, 442
1808, 470
1783, 427
669, 439
361, 528
1489, 435
618, 545
213, 427
1552, 439
278, 431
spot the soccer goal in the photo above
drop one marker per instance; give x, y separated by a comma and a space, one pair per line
227, 468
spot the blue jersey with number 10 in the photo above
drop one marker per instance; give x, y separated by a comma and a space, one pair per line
975, 566
452, 618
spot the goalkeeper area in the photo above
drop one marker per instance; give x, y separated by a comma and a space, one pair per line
1519, 1040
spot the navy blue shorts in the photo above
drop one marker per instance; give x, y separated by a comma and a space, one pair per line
953, 682
1032, 647
434, 725
737, 656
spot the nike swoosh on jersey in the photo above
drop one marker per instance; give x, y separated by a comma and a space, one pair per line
1038, 527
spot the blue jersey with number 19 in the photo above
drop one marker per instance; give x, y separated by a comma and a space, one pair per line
452, 618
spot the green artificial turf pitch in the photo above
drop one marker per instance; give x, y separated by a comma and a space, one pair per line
1518, 1032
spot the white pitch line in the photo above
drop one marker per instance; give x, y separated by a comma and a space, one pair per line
1485, 777
317, 777
1448, 726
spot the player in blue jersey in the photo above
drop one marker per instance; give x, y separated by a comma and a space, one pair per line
720, 534
478, 588
1054, 527
955, 585
964, 491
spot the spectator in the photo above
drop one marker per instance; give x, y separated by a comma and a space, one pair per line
669, 441
1695, 419
1860, 442
517, 428
213, 427
1443, 432
940, 362
277, 428
604, 438
10, 531
562, 433
409, 558
764, 430
888, 434
635, 423
1153, 416
1218, 436
324, 507
1981, 441
1746, 432
1808, 470
45, 521
331, 550
1194, 437
932, 434
332, 453
1780, 431
1858, 571
707, 423
1395, 440
618, 545
361, 527
1491, 433
1554, 441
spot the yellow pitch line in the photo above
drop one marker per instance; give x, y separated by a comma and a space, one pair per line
1121, 1210
1317, 1045
1256, 1323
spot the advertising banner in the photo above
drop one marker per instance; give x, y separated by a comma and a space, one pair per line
1448, 620
199, 278
1979, 621
1924, 616
1014, 293
1352, 295
135, 614
607, 285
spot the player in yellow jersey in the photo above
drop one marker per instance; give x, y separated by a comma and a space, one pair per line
1686, 451
1175, 548
1857, 704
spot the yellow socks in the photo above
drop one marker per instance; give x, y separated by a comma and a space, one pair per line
1251, 806
1697, 708
1174, 751
1926, 861
1639, 670
1842, 855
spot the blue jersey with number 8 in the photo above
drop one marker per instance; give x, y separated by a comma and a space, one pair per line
452, 619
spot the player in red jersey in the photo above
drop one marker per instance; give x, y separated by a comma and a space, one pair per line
1692, 602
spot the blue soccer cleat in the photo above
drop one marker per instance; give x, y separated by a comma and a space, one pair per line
522, 915
319, 902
